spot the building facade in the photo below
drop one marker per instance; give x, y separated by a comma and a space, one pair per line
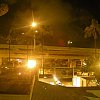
51, 59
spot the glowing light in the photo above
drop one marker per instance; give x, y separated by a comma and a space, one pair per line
55, 78
23, 33
69, 42
31, 63
52, 83
34, 24
19, 73
76, 81
56, 81
18, 60
36, 31
45, 77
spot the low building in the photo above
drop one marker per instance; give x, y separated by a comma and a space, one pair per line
51, 59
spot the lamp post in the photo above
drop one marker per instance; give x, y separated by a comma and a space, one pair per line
9, 43
33, 26
69, 43
42, 54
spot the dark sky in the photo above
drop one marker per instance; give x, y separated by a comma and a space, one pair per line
93, 6
66, 18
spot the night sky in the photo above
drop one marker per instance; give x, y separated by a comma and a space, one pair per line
67, 19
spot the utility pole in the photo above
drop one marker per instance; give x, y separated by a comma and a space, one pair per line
42, 53
9, 43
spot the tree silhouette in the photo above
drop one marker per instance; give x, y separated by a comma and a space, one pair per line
3, 9
93, 31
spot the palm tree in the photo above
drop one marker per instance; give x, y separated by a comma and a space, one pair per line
3, 9
92, 31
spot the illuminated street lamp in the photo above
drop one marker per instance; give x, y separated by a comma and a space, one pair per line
69, 42
34, 24
31, 64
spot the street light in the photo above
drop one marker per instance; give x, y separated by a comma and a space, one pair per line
69, 43
34, 24
31, 64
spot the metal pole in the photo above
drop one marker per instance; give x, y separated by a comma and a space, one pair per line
27, 51
42, 53
95, 47
31, 92
73, 71
9, 46
34, 42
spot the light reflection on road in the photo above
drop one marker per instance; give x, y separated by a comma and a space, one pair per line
51, 80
